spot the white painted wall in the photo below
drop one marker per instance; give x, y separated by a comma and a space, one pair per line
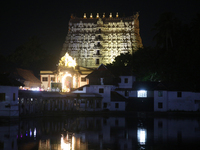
46, 85
80, 91
106, 95
171, 102
122, 106
13, 110
163, 100
186, 102
131, 79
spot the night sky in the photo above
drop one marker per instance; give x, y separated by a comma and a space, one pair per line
48, 20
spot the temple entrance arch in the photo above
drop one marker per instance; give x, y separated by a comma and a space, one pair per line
66, 82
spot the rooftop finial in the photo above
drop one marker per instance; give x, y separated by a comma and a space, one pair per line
91, 15
117, 15
103, 15
110, 15
97, 15
84, 16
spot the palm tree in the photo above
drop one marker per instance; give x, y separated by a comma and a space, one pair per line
166, 28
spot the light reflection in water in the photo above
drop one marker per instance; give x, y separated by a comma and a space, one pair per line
83, 133
67, 143
141, 135
30, 133
34, 132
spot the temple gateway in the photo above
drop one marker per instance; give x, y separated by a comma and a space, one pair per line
98, 40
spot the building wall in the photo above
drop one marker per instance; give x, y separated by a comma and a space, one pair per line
93, 41
120, 104
81, 82
160, 100
171, 101
106, 92
46, 85
9, 106
83, 90
126, 81
185, 102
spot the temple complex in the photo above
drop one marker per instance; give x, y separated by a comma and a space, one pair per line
94, 40
91, 41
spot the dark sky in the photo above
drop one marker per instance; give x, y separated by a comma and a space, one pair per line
49, 19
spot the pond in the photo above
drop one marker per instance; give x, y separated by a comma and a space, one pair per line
101, 133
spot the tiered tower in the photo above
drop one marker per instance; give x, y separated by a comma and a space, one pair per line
95, 40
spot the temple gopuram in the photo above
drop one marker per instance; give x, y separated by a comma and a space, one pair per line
95, 40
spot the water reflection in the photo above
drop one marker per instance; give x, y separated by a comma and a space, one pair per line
85, 133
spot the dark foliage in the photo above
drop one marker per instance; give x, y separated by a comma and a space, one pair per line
176, 56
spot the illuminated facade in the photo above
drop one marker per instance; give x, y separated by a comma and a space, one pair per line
67, 76
98, 40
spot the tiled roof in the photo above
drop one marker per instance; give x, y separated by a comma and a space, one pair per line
27, 75
117, 97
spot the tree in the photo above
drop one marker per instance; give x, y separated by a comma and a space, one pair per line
123, 60
166, 27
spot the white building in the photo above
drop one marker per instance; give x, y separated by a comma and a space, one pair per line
103, 81
157, 96
179, 99
9, 96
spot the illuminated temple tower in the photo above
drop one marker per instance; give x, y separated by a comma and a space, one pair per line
96, 40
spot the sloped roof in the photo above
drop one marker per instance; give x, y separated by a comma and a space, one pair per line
6, 80
83, 70
100, 72
151, 86
27, 75
117, 97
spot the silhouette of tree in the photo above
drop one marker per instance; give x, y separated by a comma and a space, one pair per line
166, 27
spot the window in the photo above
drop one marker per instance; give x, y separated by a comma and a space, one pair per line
126, 93
52, 78
141, 93
126, 80
83, 79
98, 52
160, 93
97, 61
116, 105
179, 94
13, 96
160, 105
120, 80
2, 96
116, 122
101, 90
44, 78
160, 124
104, 105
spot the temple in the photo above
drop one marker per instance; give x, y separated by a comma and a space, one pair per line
94, 40
91, 41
